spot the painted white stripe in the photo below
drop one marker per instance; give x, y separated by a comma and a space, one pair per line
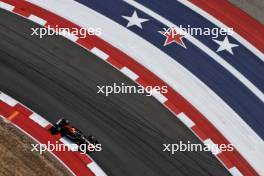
235, 172
6, 6
1, 93
160, 97
8, 100
47, 150
68, 35
129, 73
99, 53
5, 119
39, 120
204, 48
225, 119
211, 18
96, 169
71, 145
213, 147
186, 120
37, 19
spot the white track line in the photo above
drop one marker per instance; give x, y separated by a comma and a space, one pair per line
37, 20
93, 166
160, 97
235, 172
248, 143
39, 120
48, 150
6, 6
213, 147
99, 53
211, 18
7, 99
186, 120
71, 145
203, 47
129, 73
69, 35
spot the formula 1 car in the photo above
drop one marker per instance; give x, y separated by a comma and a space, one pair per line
63, 127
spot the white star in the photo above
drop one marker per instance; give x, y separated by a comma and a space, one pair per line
135, 20
225, 45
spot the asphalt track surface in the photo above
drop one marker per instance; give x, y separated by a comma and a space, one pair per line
57, 78
198, 61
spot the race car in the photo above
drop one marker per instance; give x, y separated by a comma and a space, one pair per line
63, 127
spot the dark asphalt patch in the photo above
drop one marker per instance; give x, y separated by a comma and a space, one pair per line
57, 78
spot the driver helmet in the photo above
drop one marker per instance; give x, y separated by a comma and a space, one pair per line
73, 130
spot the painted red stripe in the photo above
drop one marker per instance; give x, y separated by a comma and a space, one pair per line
172, 107
48, 126
148, 78
28, 112
20, 108
21, 11
141, 82
43, 136
224, 160
115, 63
83, 158
77, 163
199, 133
242, 23
5, 109
84, 43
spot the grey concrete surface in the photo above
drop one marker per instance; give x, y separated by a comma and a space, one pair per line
57, 78
254, 8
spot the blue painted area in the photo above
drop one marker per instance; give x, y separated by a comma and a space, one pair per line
231, 90
243, 59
